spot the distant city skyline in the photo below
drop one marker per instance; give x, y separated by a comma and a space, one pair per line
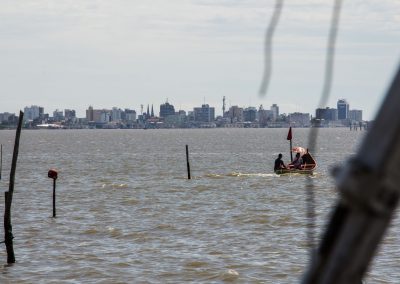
127, 53
156, 109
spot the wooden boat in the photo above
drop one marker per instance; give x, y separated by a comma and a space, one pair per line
308, 166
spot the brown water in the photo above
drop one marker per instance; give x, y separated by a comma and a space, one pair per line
127, 214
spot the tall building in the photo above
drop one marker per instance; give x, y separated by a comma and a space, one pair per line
236, 114
116, 114
250, 114
31, 113
343, 109
205, 113
69, 114
299, 119
58, 115
275, 112
130, 115
89, 114
355, 115
330, 114
166, 110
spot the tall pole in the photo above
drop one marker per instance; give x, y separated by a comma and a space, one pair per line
187, 162
54, 198
53, 174
8, 236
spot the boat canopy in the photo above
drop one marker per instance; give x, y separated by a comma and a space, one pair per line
300, 150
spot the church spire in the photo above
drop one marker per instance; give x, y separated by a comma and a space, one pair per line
148, 111
152, 111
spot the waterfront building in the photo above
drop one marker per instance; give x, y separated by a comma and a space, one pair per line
250, 114
116, 114
236, 114
298, 119
264, 116
205, 113
6, 116
355, 115
58, 115
343, 109
130, 115
275, 112
69, 114
328, 114
32, 112
90, 114
105, 116
166, 110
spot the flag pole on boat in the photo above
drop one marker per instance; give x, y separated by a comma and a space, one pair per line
289, 137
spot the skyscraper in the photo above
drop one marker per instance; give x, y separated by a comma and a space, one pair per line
275, 111
166, 109
343, 109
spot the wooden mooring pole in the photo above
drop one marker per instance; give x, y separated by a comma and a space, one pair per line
187, 161
53, 174
8, 236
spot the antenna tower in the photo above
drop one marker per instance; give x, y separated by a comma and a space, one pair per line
223, 106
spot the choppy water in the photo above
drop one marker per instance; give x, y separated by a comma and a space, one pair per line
127, 214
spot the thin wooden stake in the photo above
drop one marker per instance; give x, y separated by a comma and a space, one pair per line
8, 236
54, 198
187, 161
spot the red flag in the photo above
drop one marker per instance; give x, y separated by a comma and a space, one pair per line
289, 135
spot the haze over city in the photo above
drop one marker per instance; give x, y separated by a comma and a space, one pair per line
124, 54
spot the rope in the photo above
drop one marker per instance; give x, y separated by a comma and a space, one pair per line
268, 47
313, 135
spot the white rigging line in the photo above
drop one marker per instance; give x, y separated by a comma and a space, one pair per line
313, 135
268, 47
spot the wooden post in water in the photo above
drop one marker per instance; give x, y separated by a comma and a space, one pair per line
53, 174
8, 236
187, 161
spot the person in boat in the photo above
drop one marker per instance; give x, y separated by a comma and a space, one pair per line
297, 162
279, 164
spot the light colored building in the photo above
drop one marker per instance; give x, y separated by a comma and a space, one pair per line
275, 112
130, 115
298, 119
355, 115
116, 114
236, 114
205, 113
5, 116
58, 115
31, 113
250, 114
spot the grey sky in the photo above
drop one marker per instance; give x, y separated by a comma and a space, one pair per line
72, 54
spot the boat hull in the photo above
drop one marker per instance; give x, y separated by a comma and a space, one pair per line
307, 168
295, 171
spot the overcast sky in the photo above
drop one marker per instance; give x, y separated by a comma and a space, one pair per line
124, 53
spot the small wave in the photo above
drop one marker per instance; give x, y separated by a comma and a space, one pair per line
114, 186
114, 232
214, 176
239, 174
